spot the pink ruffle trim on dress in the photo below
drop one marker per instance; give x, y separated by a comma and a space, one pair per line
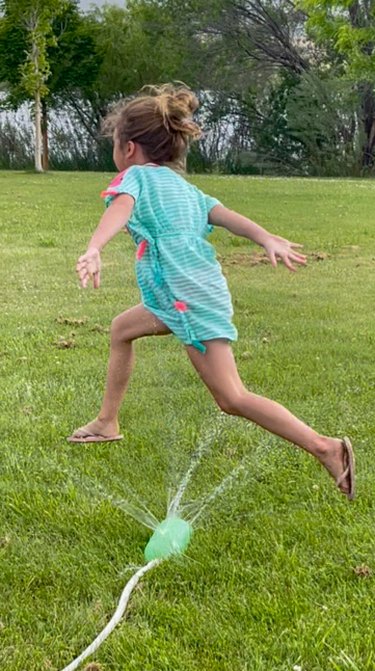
108, 192
141, 249
111, 189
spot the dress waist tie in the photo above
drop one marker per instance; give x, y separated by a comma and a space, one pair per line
180, 306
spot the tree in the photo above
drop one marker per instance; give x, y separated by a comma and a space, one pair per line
136, 45
275, 50
263, 32
33, 18
61, 58
74, 61
250, 49
322, 116
346, 28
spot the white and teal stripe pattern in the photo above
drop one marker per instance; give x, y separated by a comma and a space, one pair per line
180, 280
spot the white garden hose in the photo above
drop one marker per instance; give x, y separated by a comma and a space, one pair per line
123, 602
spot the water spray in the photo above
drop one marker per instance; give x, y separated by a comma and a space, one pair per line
170, 538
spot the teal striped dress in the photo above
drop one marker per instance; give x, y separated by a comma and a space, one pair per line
179, 277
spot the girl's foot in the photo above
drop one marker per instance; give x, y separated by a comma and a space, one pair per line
338, 458
98, 431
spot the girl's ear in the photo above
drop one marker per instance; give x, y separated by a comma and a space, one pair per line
130, 149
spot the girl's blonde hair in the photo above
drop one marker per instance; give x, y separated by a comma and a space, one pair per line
160, 119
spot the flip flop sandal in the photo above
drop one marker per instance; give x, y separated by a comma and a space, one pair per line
88, 437
349, 471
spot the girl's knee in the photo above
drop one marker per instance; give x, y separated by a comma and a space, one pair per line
119, 331
231, 404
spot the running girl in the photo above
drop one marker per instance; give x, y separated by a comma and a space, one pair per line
183, 290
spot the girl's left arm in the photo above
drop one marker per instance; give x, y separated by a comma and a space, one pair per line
113, 220
275, 247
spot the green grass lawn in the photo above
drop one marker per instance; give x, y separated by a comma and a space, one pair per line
281, 573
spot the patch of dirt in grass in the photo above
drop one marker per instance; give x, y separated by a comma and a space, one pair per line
260, 258
243, 259
318, 256
71, 321
64, 343
363, 571
98, 328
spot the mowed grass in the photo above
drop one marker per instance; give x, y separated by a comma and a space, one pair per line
281, 573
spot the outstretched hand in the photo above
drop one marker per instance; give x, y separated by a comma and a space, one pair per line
88, 267
280, 249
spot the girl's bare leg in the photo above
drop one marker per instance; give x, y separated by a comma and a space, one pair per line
127, 327
218, 370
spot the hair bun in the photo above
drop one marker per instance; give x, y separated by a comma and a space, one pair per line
187, 98
160, 120
177, 105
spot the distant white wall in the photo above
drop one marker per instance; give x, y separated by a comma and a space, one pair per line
86, 4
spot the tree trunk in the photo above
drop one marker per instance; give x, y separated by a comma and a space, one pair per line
45, 156
368, 118
38, 132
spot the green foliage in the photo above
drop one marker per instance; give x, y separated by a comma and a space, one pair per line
346, 30
62, 41
139, 45
321, 116
16, 143
73, 57
13, 46
36, 70
275, 148
33, 19
347, 27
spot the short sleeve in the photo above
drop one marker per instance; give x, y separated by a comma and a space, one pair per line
211, 202
208, 202
128, 182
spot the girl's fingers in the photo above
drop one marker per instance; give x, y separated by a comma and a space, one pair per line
82, 271
289, 259
287, 262
96, 280
84, 281
272, 258
298, 258
85, 274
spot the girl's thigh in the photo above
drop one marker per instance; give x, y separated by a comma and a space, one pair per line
217, 368
136, 323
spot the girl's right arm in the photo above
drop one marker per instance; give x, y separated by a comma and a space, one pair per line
275, 247
113, 220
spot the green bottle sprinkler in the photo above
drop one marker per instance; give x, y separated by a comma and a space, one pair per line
171, 536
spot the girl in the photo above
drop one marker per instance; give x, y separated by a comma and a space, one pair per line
182, 287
